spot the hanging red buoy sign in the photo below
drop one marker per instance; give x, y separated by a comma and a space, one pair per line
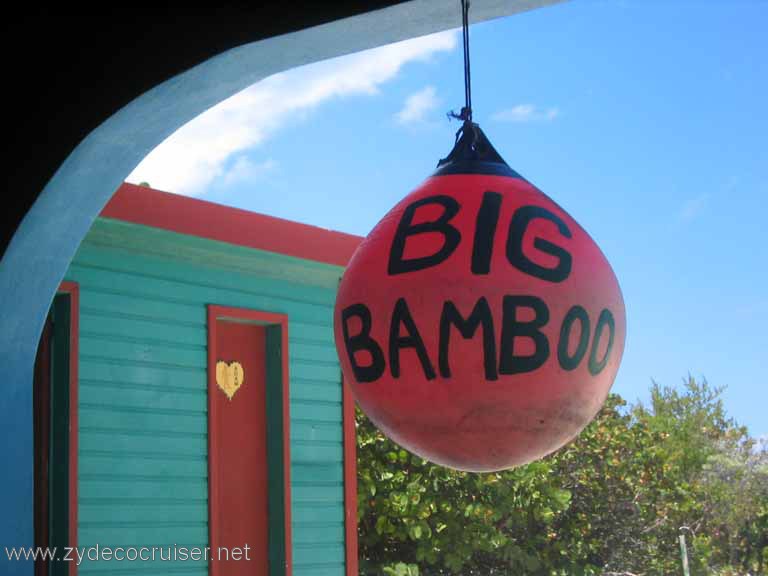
478, 324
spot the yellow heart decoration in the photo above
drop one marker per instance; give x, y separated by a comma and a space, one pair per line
229, 377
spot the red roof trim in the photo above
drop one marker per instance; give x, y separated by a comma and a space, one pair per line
143, 205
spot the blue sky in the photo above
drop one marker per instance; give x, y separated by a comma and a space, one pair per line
647, 121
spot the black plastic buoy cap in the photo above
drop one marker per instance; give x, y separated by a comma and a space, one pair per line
473, 153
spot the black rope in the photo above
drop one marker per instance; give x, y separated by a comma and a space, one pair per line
472, 152
466, 111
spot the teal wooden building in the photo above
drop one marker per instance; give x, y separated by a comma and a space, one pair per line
188, 396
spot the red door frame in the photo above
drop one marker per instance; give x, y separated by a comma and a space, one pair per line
216, 312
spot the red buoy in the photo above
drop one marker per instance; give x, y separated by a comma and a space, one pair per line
478, 325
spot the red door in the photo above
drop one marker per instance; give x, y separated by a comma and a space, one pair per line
237, 429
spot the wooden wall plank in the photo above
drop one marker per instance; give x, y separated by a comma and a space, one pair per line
143, 400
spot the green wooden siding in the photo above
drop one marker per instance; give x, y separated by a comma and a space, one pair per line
143, 401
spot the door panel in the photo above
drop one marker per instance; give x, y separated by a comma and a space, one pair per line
55, 432
42, 431
239, 437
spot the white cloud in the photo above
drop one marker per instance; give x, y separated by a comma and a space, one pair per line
243, 169
417, 105
191, 158
693, 207
526, 113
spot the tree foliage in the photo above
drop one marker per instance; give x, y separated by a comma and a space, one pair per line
613, 500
